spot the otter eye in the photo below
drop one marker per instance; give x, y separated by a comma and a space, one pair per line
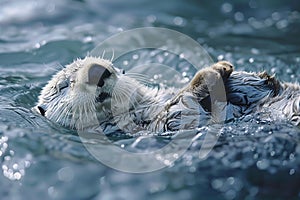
97, 74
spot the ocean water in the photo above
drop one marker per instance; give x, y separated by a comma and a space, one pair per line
255, 157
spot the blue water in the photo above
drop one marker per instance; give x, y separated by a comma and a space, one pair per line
255, 157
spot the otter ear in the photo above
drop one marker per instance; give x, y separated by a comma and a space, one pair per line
97, 74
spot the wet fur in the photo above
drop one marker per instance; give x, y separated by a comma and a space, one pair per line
215, 93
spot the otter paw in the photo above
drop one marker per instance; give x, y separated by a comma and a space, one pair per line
209, 76
211, 80
224, 68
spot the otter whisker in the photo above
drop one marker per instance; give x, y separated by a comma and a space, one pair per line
68, 111
113, 55
121, 95
57, 67
139, 77
103, 54
64, 120
61, 109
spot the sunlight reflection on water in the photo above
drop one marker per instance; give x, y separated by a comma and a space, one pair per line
254, 158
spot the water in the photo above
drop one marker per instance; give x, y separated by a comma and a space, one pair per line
254, 158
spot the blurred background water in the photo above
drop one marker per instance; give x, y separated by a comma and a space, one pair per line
254, 158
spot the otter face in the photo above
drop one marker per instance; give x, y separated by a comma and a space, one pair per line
72, 97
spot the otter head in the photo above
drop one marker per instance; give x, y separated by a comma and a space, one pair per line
74, 96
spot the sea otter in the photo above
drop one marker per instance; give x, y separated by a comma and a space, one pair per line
92, 93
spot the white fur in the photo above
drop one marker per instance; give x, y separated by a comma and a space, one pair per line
133, 107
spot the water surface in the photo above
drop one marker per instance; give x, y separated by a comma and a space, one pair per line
255, 157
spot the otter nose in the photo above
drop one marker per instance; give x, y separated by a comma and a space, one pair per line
97, 74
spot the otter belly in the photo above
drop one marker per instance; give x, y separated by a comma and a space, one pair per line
258, 92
